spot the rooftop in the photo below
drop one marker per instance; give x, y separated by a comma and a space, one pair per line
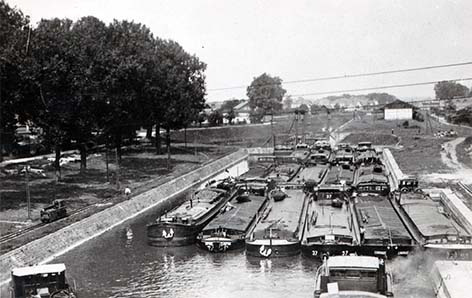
353, 261
40, 269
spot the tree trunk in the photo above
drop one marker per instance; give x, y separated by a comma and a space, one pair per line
118, 149
168, 146
57, 165
149, 132
158, 138
83, 157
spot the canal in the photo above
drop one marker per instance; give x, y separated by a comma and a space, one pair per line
121, 264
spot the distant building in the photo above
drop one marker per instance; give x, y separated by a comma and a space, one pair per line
242, 112
398, 110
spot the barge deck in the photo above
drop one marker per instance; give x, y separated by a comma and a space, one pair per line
279, 232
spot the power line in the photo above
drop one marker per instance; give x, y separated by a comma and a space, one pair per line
354, 75
379, 87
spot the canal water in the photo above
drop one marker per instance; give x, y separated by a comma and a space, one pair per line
121, 264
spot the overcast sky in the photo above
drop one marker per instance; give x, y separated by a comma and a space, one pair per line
298, 39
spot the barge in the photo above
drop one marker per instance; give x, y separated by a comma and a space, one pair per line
432, 224
279, 231
353, 276
381, 230
284, 169
181, 226
329, 225
228, 230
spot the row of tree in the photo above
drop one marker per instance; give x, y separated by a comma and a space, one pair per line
74, 79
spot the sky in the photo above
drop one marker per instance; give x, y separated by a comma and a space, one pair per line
297, 40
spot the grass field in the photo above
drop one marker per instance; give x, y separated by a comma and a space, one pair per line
260, 135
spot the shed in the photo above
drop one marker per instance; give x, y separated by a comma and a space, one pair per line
398, 110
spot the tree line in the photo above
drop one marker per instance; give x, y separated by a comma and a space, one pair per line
74, 79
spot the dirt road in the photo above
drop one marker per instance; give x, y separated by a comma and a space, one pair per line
458, 171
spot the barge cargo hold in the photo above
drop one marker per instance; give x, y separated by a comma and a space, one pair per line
340, 175
181, 226
381, 230
228, 230
284, 169
329, 226
432, 224
353, 276
279, 232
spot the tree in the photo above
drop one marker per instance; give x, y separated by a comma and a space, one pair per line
215, 118
463, 116
266, 93
126, 72
14, 30
303, 107
183, 88
89, 38
49, 94
230, 116
449, 89
315, 109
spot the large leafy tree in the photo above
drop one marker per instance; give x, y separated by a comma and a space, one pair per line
130, 45
449, 89
89, 41
265, 94
183, 88
50, 96
14, 29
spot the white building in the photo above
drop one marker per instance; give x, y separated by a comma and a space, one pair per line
242, 112
398, 110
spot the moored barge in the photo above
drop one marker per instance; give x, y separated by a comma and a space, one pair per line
181, 226
279, 231
228, 229
381, 230
329, 225
432, 224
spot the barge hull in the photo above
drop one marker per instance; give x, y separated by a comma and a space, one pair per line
319, 251
265, 250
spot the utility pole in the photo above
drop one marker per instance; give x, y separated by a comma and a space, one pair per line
117, 169
296, 129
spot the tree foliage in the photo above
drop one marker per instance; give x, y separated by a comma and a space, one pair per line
14, 36
75, 78
449, 90
266, 93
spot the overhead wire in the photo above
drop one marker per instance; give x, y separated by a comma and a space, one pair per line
337, 77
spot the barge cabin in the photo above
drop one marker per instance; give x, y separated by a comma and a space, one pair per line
181, 226
41, 281
320, 156
329, 225
371, 179
279, 232
353, 276
343, 155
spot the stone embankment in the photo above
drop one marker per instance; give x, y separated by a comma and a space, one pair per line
45, 249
